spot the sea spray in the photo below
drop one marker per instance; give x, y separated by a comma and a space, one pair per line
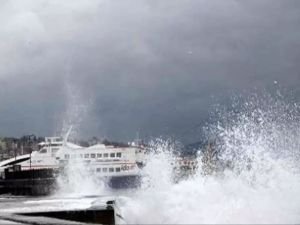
259, 182
77, 180
78, 111
160, 156
257, 179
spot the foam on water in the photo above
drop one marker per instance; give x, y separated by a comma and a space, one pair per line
260, 143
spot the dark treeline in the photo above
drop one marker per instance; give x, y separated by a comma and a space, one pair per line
12, 146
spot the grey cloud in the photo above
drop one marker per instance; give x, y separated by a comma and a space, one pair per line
148, 66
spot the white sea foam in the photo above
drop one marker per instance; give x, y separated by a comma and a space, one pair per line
258, 141
262, 185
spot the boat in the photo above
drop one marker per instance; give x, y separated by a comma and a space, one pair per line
120, 166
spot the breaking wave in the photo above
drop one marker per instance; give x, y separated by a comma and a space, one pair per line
255, 177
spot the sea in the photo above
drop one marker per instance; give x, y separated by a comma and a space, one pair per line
258, 141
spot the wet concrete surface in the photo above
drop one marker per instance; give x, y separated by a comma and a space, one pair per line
18, 209
4, 222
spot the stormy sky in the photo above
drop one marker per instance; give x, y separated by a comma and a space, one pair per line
157, 67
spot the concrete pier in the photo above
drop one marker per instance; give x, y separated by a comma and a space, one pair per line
42, 211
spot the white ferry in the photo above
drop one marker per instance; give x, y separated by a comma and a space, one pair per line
120, 164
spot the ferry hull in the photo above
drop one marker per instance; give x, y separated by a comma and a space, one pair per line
43, 182
29, 182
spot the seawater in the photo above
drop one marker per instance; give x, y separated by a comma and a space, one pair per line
258, 137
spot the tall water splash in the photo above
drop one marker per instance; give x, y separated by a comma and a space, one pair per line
259, 133
257, 180
161, 156
77, 110
77, 179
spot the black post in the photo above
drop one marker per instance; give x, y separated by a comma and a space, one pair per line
30, 159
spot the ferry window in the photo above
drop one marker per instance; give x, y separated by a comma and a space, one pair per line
119, 154
99, 155
93, 155
105, 155
43, 150
112, 155
67, 156
104, 170
111, 170
98, 169
86, 156
81, 156
118, 169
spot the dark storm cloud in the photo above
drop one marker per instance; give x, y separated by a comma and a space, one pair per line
148, 66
